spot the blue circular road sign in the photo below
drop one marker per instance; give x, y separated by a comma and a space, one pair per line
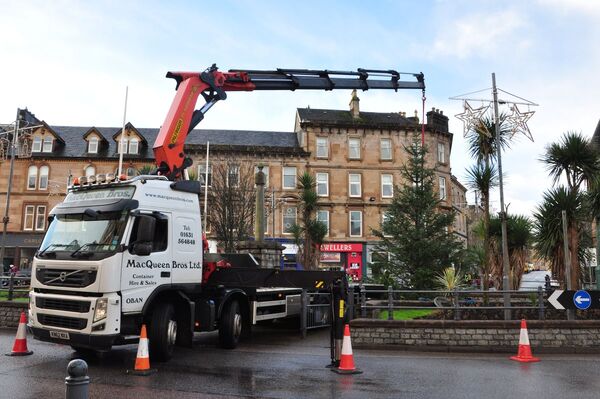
582, 299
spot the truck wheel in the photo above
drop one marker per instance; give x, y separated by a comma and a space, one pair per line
163, 332
230, 325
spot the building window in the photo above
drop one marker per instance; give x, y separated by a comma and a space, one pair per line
289, 177
32, 175
133, 146
29, 217
355, 223
387, 186
323, 217
40, 218
43, 182
90, 171
322, 147
233, 176
265, 170
441, 153
442, 181
37, 144
386, 149
122, 146
323, 184
34, 218
202, 174
354, 148
384, 219
93, 145
289, 219
47, 144
355, 186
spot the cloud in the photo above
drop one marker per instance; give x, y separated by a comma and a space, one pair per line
476, 34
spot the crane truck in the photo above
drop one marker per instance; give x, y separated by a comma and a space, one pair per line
121, 252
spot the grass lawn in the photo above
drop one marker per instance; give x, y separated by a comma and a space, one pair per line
406, 314
16, 295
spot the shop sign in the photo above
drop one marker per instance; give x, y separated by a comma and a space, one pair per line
341, 247
331, 257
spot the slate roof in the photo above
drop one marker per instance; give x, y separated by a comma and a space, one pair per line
366, 119
76, 146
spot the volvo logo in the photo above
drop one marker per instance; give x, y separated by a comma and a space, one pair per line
62, 276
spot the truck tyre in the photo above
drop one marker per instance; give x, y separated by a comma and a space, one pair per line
162, 332
230, 325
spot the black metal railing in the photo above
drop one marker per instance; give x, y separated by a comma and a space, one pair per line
370, 303
12, 286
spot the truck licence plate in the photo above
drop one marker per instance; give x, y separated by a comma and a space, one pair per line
59, 334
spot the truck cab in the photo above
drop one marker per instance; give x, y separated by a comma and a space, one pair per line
111, 249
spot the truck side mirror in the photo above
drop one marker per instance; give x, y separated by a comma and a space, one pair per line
142, 248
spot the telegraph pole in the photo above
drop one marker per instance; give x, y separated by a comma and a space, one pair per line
505, 260
5, 219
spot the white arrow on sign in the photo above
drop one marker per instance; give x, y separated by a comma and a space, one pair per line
553, 299
579, 299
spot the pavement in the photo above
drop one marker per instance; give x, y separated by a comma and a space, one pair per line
277, 363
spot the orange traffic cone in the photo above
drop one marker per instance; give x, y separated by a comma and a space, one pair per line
142, 360
20, 346
347, 359
524, 354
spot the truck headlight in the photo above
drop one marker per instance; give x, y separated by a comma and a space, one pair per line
101, 309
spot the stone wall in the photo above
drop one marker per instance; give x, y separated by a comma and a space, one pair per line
10, 313
552, 336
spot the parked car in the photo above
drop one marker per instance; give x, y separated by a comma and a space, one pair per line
532, 280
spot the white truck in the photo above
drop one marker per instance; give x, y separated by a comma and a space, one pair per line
119, 253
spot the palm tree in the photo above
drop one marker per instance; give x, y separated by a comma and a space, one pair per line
575, 159
482, 140
549, 230
483, 176
519, 233
310, 233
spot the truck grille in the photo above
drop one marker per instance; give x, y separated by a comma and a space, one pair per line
62, 304
62, 321
66, 277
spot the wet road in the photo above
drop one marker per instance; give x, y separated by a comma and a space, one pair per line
277, 364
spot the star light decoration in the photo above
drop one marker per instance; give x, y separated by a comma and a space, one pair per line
518, 122
471, 118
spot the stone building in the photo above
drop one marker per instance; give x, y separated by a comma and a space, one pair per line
355, 156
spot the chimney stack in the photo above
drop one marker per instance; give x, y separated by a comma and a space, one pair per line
354, 107
437, 120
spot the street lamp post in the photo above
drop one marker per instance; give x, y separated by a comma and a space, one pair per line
6, 218
517, 122
505, 260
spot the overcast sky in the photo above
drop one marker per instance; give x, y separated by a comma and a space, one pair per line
69, 62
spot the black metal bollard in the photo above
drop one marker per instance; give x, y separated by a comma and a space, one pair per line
390, 303
363, 301
541, 302
77, 382
11, 286
303, 312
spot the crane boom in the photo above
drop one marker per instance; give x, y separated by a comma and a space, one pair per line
213, 85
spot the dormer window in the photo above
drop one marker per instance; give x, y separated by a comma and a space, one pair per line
37, 144
48, 141
122, 145
93, 145
133, 146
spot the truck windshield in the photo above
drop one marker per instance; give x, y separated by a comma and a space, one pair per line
82, 232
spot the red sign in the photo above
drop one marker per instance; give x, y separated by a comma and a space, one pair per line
341, 247
334, 257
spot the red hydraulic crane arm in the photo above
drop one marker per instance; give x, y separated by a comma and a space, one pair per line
213, 85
